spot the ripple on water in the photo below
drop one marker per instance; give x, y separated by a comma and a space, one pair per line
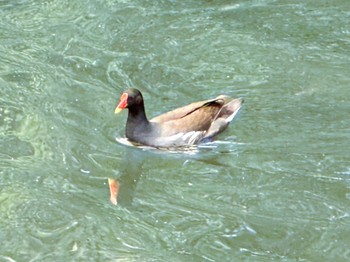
281, 196
24, 134
32, 224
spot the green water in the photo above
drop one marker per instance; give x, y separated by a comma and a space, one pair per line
274, 187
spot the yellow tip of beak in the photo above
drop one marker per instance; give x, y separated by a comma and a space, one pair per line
117, 110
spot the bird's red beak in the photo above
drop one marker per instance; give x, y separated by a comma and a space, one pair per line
123, 103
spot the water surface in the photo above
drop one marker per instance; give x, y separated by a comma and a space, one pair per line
274, 186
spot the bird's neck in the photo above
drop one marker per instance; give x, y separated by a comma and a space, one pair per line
137, 122
137, 114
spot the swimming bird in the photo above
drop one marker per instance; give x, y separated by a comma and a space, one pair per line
185, 126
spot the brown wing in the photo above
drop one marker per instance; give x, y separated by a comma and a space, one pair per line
194, 117
180, 112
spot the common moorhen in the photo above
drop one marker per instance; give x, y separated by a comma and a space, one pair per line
188, 125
